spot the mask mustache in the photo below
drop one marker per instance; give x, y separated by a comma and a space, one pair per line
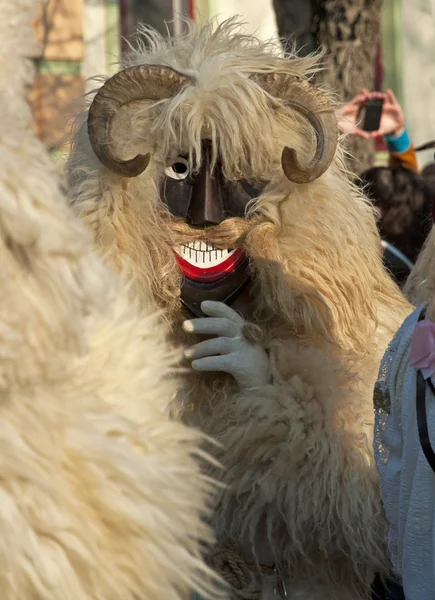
231, 233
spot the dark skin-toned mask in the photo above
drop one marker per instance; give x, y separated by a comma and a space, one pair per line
206, 199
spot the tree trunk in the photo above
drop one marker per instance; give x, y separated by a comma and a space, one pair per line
294, 20
350, 32
155, 13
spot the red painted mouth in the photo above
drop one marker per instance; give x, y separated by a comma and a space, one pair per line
202, 261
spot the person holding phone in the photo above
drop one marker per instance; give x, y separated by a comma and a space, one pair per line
353, 115
399, 194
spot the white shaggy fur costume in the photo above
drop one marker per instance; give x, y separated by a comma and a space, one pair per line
100, 494
301, 507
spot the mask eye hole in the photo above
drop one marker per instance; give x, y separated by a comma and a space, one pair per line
179, 169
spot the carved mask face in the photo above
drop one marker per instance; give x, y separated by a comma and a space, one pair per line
206, 199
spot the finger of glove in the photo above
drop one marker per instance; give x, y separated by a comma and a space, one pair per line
215, 346
219, 309
213, 363
212, 326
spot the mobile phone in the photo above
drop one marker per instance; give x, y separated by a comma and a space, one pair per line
371, 114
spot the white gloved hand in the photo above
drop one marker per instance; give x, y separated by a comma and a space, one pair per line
230, 351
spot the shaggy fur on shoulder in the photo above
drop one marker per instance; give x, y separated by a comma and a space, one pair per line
300, 476
283, 444
101, 495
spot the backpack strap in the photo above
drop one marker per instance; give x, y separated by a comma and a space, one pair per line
423, 430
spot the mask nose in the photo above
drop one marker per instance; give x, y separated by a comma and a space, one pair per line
206, 205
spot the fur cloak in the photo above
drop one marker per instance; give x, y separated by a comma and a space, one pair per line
301, 488
101, 495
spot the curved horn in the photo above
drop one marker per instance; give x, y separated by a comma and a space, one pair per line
142, 82
312, 104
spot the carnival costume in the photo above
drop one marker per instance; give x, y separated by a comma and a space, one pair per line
208, 170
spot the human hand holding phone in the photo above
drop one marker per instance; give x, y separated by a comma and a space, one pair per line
354, 117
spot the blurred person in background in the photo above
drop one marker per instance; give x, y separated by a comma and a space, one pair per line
400, 195
428, 174
428, 171
392, 127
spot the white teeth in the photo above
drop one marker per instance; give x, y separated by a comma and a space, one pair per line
203, 254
